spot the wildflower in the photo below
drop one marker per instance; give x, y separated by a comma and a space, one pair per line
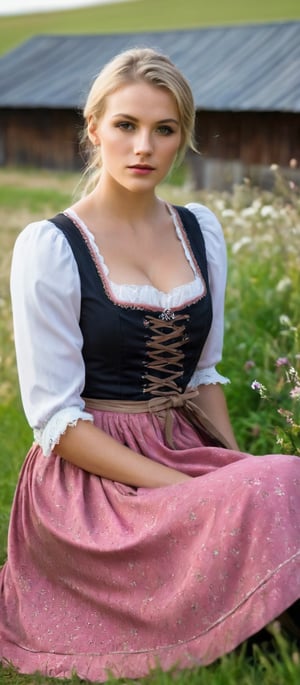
285, 320
228, 212
282, 361
267, 210
249, 364
293, 163
256, 385
293, 376
288, 415
249, 211
295, 392
245, 240
292, 185
274, 167
283, 284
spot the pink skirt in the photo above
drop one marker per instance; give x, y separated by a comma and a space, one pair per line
105, 578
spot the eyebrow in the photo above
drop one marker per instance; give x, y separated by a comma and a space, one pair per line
132, 118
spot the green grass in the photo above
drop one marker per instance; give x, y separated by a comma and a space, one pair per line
144, 15
15, 439
279, 666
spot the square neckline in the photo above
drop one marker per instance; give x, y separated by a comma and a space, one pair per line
146, 293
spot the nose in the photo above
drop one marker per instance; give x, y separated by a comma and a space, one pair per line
143, 142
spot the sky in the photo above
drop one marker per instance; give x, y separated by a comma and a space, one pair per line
27, 6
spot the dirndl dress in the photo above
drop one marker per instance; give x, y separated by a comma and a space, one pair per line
103, 577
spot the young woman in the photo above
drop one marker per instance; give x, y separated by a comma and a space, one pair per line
139, 535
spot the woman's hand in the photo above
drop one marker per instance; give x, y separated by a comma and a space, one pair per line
211, 400
91, 449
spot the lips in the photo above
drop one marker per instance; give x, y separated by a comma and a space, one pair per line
143, 167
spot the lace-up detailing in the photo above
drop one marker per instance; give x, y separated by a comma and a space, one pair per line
167, 335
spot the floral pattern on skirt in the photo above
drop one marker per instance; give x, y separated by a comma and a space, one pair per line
103, 577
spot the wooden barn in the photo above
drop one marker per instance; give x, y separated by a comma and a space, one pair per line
245, 80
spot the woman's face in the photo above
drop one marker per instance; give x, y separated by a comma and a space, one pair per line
139, 135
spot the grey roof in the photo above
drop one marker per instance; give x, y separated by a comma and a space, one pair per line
248, 67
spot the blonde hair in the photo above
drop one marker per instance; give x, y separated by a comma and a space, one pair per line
137, 64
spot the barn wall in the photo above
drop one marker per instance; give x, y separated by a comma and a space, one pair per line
40, 138
252, 137
238, 144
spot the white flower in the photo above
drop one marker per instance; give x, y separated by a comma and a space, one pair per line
248, 211
283, 284
228, 212
267, 210
245, 240
285, 320
262, 390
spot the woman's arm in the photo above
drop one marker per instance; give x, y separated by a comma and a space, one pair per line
206, 378
93, 450
205, 372
212, 401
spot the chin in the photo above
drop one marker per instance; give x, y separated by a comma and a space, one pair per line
140, 186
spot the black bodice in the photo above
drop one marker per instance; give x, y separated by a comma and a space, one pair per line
136, 352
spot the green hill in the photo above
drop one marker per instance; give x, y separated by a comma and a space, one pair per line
144, 15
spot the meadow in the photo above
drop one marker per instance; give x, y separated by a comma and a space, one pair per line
142, 15
262, 231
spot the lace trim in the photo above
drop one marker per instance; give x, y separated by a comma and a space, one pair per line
145, 295
207, 377
182, 235
48, 436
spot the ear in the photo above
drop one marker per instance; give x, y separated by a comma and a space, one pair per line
92, 129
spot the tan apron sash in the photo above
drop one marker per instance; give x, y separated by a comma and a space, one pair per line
184, 403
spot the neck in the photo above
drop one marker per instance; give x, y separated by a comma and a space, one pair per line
120, 202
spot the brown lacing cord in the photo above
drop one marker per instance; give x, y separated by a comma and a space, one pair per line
164, 350
164, 402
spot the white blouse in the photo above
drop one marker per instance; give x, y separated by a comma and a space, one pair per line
45, 290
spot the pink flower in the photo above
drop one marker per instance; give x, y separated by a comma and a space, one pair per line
282, 361
249, 364
288, 415
295, 392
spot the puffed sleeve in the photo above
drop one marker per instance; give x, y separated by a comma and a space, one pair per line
206, 372
45, 292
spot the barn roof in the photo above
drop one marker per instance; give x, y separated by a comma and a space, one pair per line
248, 67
